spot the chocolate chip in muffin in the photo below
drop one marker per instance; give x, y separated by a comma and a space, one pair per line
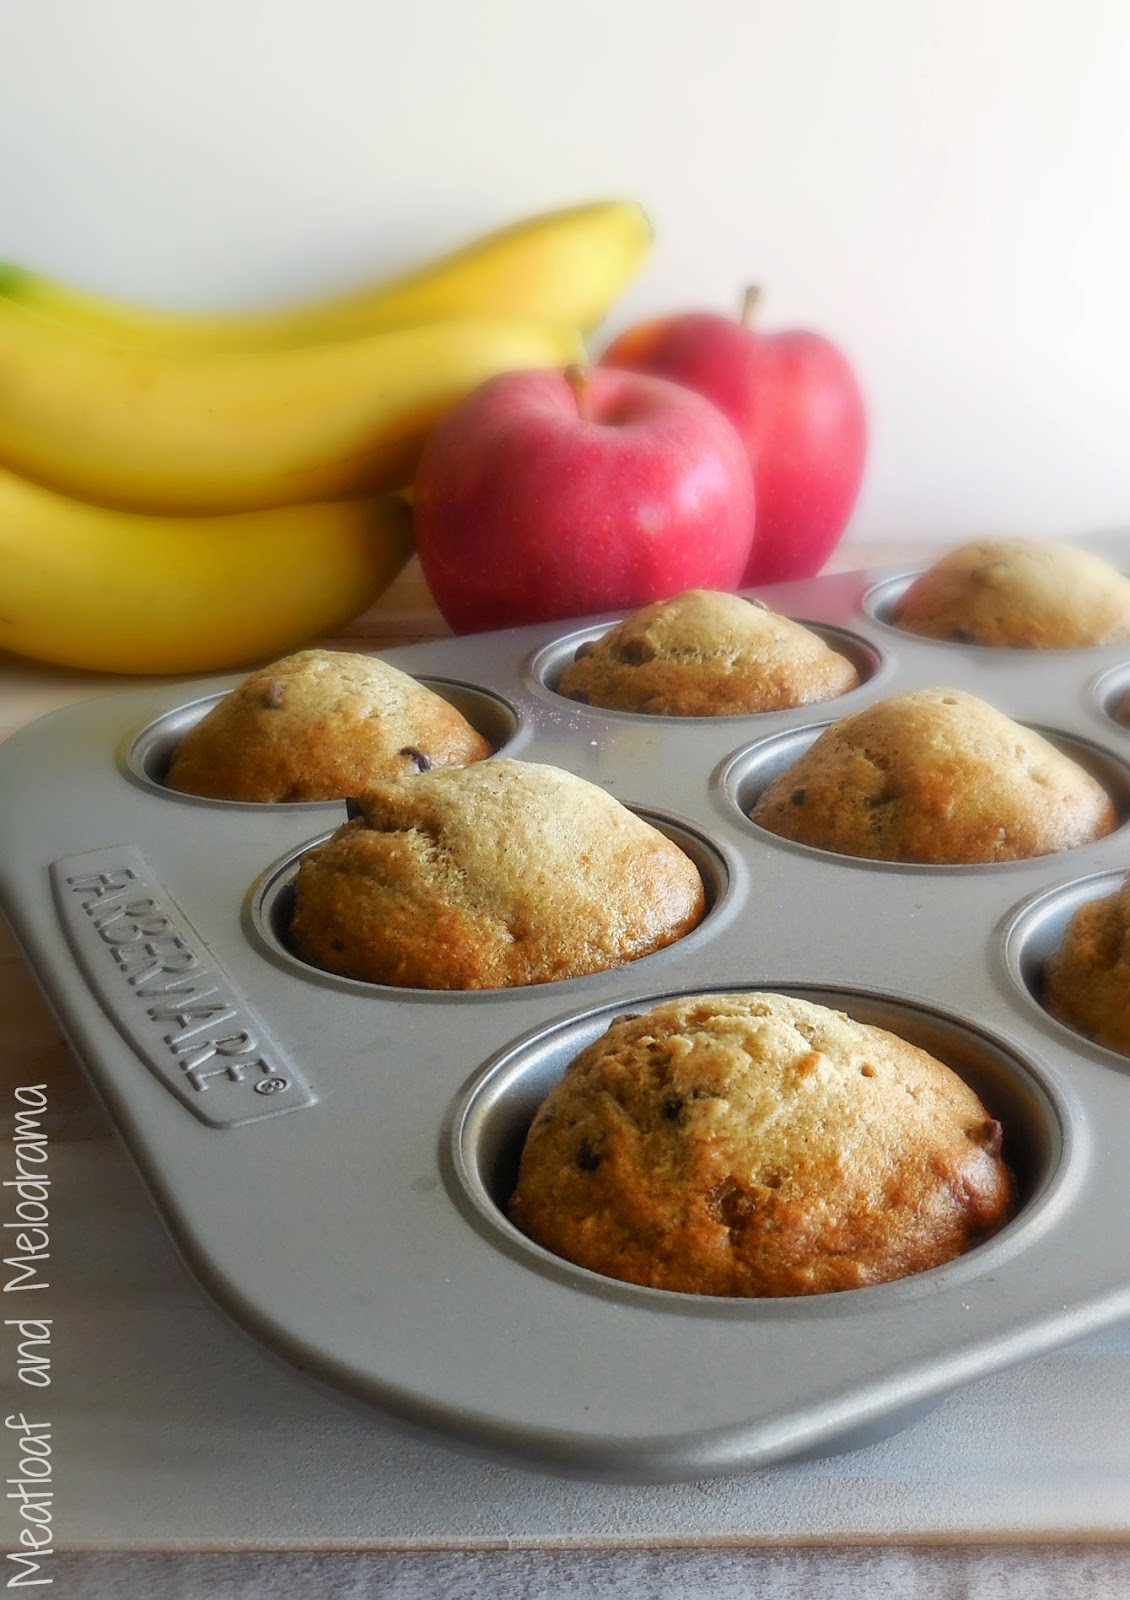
588, 1156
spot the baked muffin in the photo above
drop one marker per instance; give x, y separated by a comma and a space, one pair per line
1026, 593
936, 776
489, 876
706, 653
752, 1144
320, 725
1087, 980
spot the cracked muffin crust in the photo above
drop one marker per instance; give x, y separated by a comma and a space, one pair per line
753, 1145
938, 777
490, 876
320, 725
1087, 980
1021, 593
706, 653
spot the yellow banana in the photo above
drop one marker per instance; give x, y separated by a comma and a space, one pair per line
564, 267
206, 432
83, 586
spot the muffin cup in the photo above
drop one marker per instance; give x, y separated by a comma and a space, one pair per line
746, 776
546, 666
269, 909
489, 1122
147, 755
1110, 689
1036, 931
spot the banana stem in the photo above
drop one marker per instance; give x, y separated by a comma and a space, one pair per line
577, 377
749, 302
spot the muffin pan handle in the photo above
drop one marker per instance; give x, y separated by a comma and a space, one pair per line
166, 992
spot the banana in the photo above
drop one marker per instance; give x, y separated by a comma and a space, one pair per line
564, 267
82, 586
198, 433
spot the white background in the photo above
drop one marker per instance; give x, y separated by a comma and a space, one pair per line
943, 186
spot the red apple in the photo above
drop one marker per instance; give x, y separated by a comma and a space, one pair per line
550, 494
794, 400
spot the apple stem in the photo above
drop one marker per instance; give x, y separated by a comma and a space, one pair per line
749, 302
577, 377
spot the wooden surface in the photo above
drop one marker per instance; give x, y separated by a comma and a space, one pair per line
129, 1287
404, 614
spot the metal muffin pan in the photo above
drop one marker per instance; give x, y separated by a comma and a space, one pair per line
333, 1157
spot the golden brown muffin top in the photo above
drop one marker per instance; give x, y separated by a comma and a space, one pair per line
1087, 980
489, 876
936, 776
753, 1144
320, 725
706, 653
1025, 593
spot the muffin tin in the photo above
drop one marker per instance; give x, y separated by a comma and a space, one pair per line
333, 1157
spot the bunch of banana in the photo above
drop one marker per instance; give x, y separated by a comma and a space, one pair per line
185, 492
563, 267
117, 591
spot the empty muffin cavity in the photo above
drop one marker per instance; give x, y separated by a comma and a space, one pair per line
149, 753
490, 1122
